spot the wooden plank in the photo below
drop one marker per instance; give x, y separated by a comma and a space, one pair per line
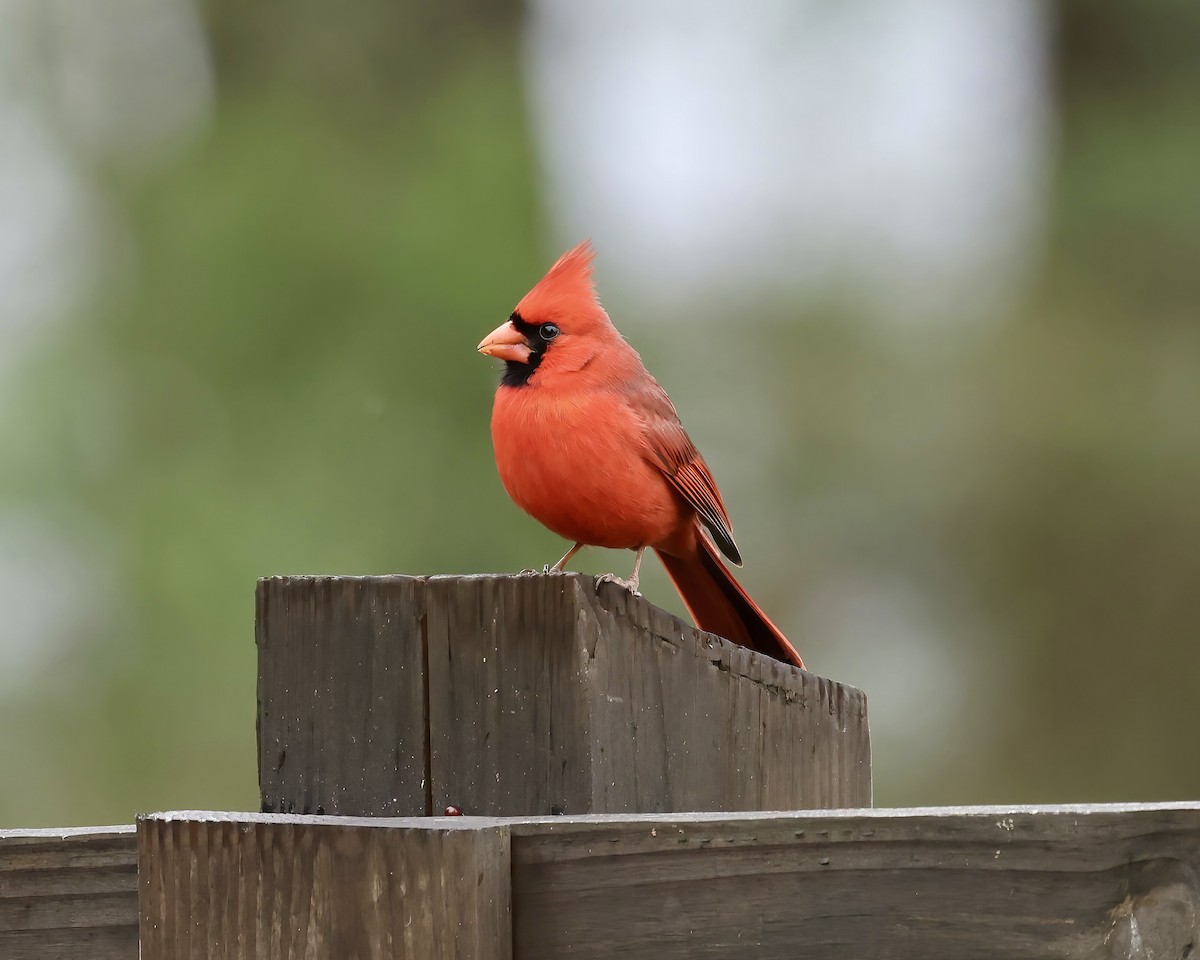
510, 730
341, 696
962, 883
690, 721
69, 893
530, 695
244, 886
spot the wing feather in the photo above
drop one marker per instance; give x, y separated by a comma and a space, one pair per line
674, 453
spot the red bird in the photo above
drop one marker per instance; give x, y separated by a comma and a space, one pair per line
590, 445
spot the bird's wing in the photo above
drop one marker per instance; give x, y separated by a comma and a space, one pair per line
674, 453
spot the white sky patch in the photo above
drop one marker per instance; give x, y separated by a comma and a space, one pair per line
52, 592
896, 147
44, 228
128, 79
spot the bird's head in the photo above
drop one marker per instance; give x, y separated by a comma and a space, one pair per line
559, 322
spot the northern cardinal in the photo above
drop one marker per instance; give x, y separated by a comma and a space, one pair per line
590, 445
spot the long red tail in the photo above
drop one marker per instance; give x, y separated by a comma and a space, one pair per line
719, 605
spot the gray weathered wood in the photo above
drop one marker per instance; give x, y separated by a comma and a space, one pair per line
68, 894
1085, 882
243, 887
341, 708
1078, 882
519, 695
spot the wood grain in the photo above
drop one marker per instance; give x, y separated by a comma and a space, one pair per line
510, 711
68, 894
1087, 883
237, 887
694, 722
1077, 882
519, 695
341, 696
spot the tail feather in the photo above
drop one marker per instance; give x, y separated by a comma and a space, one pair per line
719, 605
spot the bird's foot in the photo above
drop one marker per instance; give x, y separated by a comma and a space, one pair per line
544, 572
631, 584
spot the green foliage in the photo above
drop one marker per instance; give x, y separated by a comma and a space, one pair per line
286, 381
278, 375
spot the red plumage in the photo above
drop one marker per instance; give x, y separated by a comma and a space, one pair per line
590, 445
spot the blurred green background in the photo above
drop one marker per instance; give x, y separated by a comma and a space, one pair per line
266, 365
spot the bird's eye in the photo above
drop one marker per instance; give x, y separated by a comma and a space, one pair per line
548, 331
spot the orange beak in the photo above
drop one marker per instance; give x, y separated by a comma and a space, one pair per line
507, 343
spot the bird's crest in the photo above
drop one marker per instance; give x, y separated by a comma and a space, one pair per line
566, 290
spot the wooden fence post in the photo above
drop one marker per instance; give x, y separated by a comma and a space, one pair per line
532, 695
248, 886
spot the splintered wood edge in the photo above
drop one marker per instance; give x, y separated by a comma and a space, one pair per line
319, 820
534, 824
67, 833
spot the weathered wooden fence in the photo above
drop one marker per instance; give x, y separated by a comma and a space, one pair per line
515, 697
69, 893
1086, 882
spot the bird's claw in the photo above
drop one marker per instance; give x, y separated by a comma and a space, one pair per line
529, 572
631, 585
